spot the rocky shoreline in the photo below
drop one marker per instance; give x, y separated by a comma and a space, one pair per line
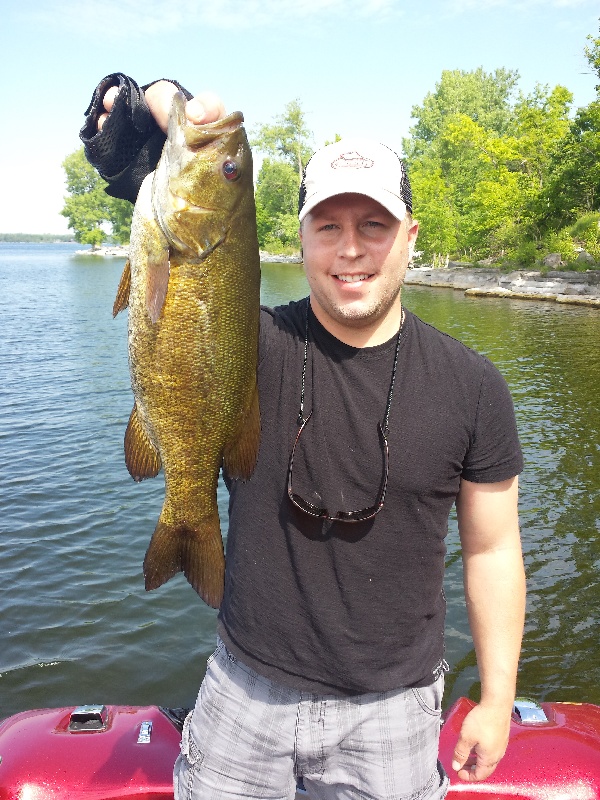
577, 288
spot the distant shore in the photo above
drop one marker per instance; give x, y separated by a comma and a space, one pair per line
122, 251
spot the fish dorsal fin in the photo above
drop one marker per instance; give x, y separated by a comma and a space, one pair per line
122, 298
141, 457
157, 282
240, 454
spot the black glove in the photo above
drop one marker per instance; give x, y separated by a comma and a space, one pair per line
130, 143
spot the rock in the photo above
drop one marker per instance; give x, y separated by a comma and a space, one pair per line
269, 258
110, 251
563, 287
585, 258
553, 260
459, 265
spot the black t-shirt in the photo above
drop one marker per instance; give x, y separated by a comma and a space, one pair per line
348, 608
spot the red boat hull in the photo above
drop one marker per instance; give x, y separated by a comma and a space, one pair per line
558, 759
123, 752
43, 758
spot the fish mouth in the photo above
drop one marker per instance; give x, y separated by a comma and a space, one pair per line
198, 136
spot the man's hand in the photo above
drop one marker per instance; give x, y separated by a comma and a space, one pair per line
205, 107
481, 744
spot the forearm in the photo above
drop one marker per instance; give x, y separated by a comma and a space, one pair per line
494, 581
495, 596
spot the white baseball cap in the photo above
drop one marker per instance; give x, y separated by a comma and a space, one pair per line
358, 166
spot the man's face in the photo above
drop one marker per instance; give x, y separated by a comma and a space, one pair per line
355, 256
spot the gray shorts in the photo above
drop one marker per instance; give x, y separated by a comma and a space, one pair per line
248, 737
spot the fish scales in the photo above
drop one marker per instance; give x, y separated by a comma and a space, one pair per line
193, 288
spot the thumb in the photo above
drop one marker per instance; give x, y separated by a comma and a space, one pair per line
463, 756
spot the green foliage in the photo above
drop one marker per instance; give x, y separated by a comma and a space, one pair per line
524, 254
288, 138
288, 145
592, 53
561, 242
586, 232
277, 206
503, 175
436, 210
480, 96
89, 210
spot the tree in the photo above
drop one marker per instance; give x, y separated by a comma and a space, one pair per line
288, 144
88, 208
592, 53
277, 205
483, 97
487, 166
288, 138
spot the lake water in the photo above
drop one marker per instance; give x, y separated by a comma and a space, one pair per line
76, 625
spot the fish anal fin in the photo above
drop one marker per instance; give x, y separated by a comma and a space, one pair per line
122, 298
240, 454
195, 551
157, 282
141, 457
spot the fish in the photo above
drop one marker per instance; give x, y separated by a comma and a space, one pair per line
192, 287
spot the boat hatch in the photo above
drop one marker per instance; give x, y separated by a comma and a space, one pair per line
88, 718
528, 712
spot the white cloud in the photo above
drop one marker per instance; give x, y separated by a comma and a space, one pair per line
137, 18
464, 6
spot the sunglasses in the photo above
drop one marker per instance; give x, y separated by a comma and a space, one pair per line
339, 516
343, 516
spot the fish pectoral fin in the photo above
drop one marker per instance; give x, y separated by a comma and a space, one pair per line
157, 282
195, 551
240, 454
141, 457
122, 298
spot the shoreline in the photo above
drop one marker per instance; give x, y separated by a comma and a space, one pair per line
575, 288
122, 251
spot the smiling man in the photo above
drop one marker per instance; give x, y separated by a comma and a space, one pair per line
357, 238
330, 664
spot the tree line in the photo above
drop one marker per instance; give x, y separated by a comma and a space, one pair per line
497, 174
36, 237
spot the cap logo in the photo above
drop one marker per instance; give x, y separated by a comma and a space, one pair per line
352, 159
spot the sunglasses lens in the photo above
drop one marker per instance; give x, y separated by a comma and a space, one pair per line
341, 516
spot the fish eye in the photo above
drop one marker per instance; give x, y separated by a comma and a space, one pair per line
231, 170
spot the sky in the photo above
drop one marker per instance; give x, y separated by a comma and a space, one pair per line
358, 67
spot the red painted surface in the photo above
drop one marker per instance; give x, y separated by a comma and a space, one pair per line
554, 760
41, 759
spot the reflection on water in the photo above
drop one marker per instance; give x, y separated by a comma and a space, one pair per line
550, 357
75, 623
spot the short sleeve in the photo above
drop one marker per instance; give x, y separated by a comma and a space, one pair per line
495, 452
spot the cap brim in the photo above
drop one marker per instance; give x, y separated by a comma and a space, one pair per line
389, 201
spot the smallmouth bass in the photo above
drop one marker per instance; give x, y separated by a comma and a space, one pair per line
192, 284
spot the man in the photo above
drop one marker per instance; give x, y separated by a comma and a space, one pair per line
329, 664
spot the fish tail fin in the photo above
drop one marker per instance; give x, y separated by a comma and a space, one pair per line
240, 455
195, 551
